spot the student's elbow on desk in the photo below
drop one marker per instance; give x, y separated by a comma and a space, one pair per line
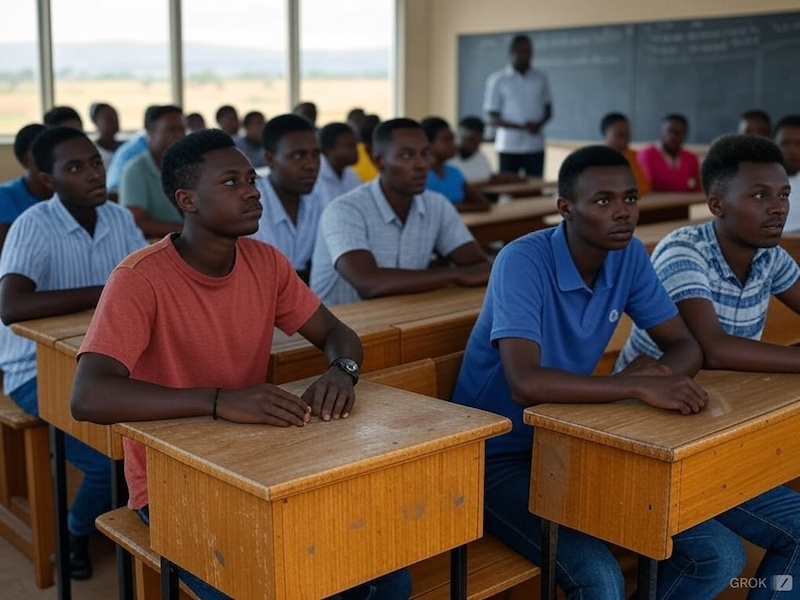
90, 392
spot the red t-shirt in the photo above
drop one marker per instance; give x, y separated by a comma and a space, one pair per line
173, 326
682, 176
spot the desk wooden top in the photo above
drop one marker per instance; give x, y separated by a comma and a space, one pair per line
652, 233
50, 330
535, 207
661, 200
531, 185
387, 426
739, 403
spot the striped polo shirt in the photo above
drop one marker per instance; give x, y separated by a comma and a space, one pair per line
690, 264
48, 246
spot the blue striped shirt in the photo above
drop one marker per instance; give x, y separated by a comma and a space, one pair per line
690, 264
48, 246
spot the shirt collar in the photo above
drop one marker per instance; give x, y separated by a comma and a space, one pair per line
385, 209
757, 264
272, 204
326, 170
68, 221
567, 275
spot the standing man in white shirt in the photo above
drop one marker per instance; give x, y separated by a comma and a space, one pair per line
787, 137
518, 104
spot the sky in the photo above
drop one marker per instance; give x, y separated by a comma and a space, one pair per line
239, 23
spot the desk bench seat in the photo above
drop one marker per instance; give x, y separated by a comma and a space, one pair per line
26, 488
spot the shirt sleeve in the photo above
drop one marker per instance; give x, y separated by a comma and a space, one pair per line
516, 292
296, 304
492, 100
682, 269
26, 251
452, 231
785, 272
547, 97
648, 304
344, 229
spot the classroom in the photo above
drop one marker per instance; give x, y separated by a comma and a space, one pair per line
235, 522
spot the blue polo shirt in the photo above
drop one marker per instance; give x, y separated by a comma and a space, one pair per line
536, 293
15, 197
451, 185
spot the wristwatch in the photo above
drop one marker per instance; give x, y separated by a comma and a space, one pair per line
349, 366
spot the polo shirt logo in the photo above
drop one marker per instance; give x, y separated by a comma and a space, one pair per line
613, 316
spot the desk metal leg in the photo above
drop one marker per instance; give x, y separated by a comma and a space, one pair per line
119, 497
458, 573
647, 578
169, 580
62, 533
549, 547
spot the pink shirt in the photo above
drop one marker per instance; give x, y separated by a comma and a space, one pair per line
664, 176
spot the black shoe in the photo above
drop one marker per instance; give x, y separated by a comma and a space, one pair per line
79, 564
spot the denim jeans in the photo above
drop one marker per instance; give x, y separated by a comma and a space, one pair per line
532, 163
94, 494
392, 586
704, 560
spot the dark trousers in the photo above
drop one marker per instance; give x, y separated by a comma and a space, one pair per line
532, 163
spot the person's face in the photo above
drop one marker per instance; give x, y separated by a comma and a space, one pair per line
165, 131
295, 164
618, 135
308, 112
673, 133
755, 126
196, 123
404, 164
788, 140
345, 150
229, 123
225, 199
469, 141
604, 209
753, 206
78, 177
521, 55
443, 146
254, 127
107, 122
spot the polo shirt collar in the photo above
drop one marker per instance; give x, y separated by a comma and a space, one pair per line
760, 258
326, 170
65, 217
385, 209
567, 275
275, 211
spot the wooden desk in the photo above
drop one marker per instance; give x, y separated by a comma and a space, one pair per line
507, 221
635, 476
652, 233
532, 186
303, 513
667, 206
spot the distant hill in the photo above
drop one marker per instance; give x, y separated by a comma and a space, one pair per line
125, 59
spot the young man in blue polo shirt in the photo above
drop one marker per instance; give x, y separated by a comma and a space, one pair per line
721, 275
56, 259
555, 297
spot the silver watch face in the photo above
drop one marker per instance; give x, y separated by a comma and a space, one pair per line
349, 365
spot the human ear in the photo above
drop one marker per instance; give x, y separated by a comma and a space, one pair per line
185, 201
564, 207
715, 205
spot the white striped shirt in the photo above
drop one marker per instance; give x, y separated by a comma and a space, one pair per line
48, 246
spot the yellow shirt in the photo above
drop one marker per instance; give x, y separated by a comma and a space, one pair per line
365, 168
641, 179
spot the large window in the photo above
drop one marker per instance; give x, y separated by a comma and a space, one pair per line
344, 56
19, 93
113, 52
234, 56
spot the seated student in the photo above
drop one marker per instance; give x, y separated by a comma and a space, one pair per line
616, 131
554, 298
146, 353
140, 189
57, 257
355, 118
666, 164
129, 150
721, 275
24, 191
307, 110
446, 179
365, 167
470, 160
378, 239
250, 142
339, 153
195, 122
755, 122
228, 120
105, 119
63, 116
291, 209
787, 136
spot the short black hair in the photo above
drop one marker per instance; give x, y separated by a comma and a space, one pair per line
58, 114
520, 38
279, 126
473, 123
432, 126
225, 109
354, 112
788, 121
253, 114
609, 119
756, 113
368, 128
382, 136
24, 139
44, 145
96, 108
580, 160
726, 153
330, 133
183, 160
157, 111
676, 117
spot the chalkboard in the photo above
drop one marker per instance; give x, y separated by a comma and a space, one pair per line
711, 70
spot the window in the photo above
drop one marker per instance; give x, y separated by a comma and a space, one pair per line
19, 90
236, 56
344, 56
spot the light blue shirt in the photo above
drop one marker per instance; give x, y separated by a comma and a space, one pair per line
451, 185
536, 293
364, 220
294, 240
690, 264
48, 246
330, 186
124, 154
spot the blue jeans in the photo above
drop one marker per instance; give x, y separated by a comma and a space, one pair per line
392, 586
704, 560
94, 494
